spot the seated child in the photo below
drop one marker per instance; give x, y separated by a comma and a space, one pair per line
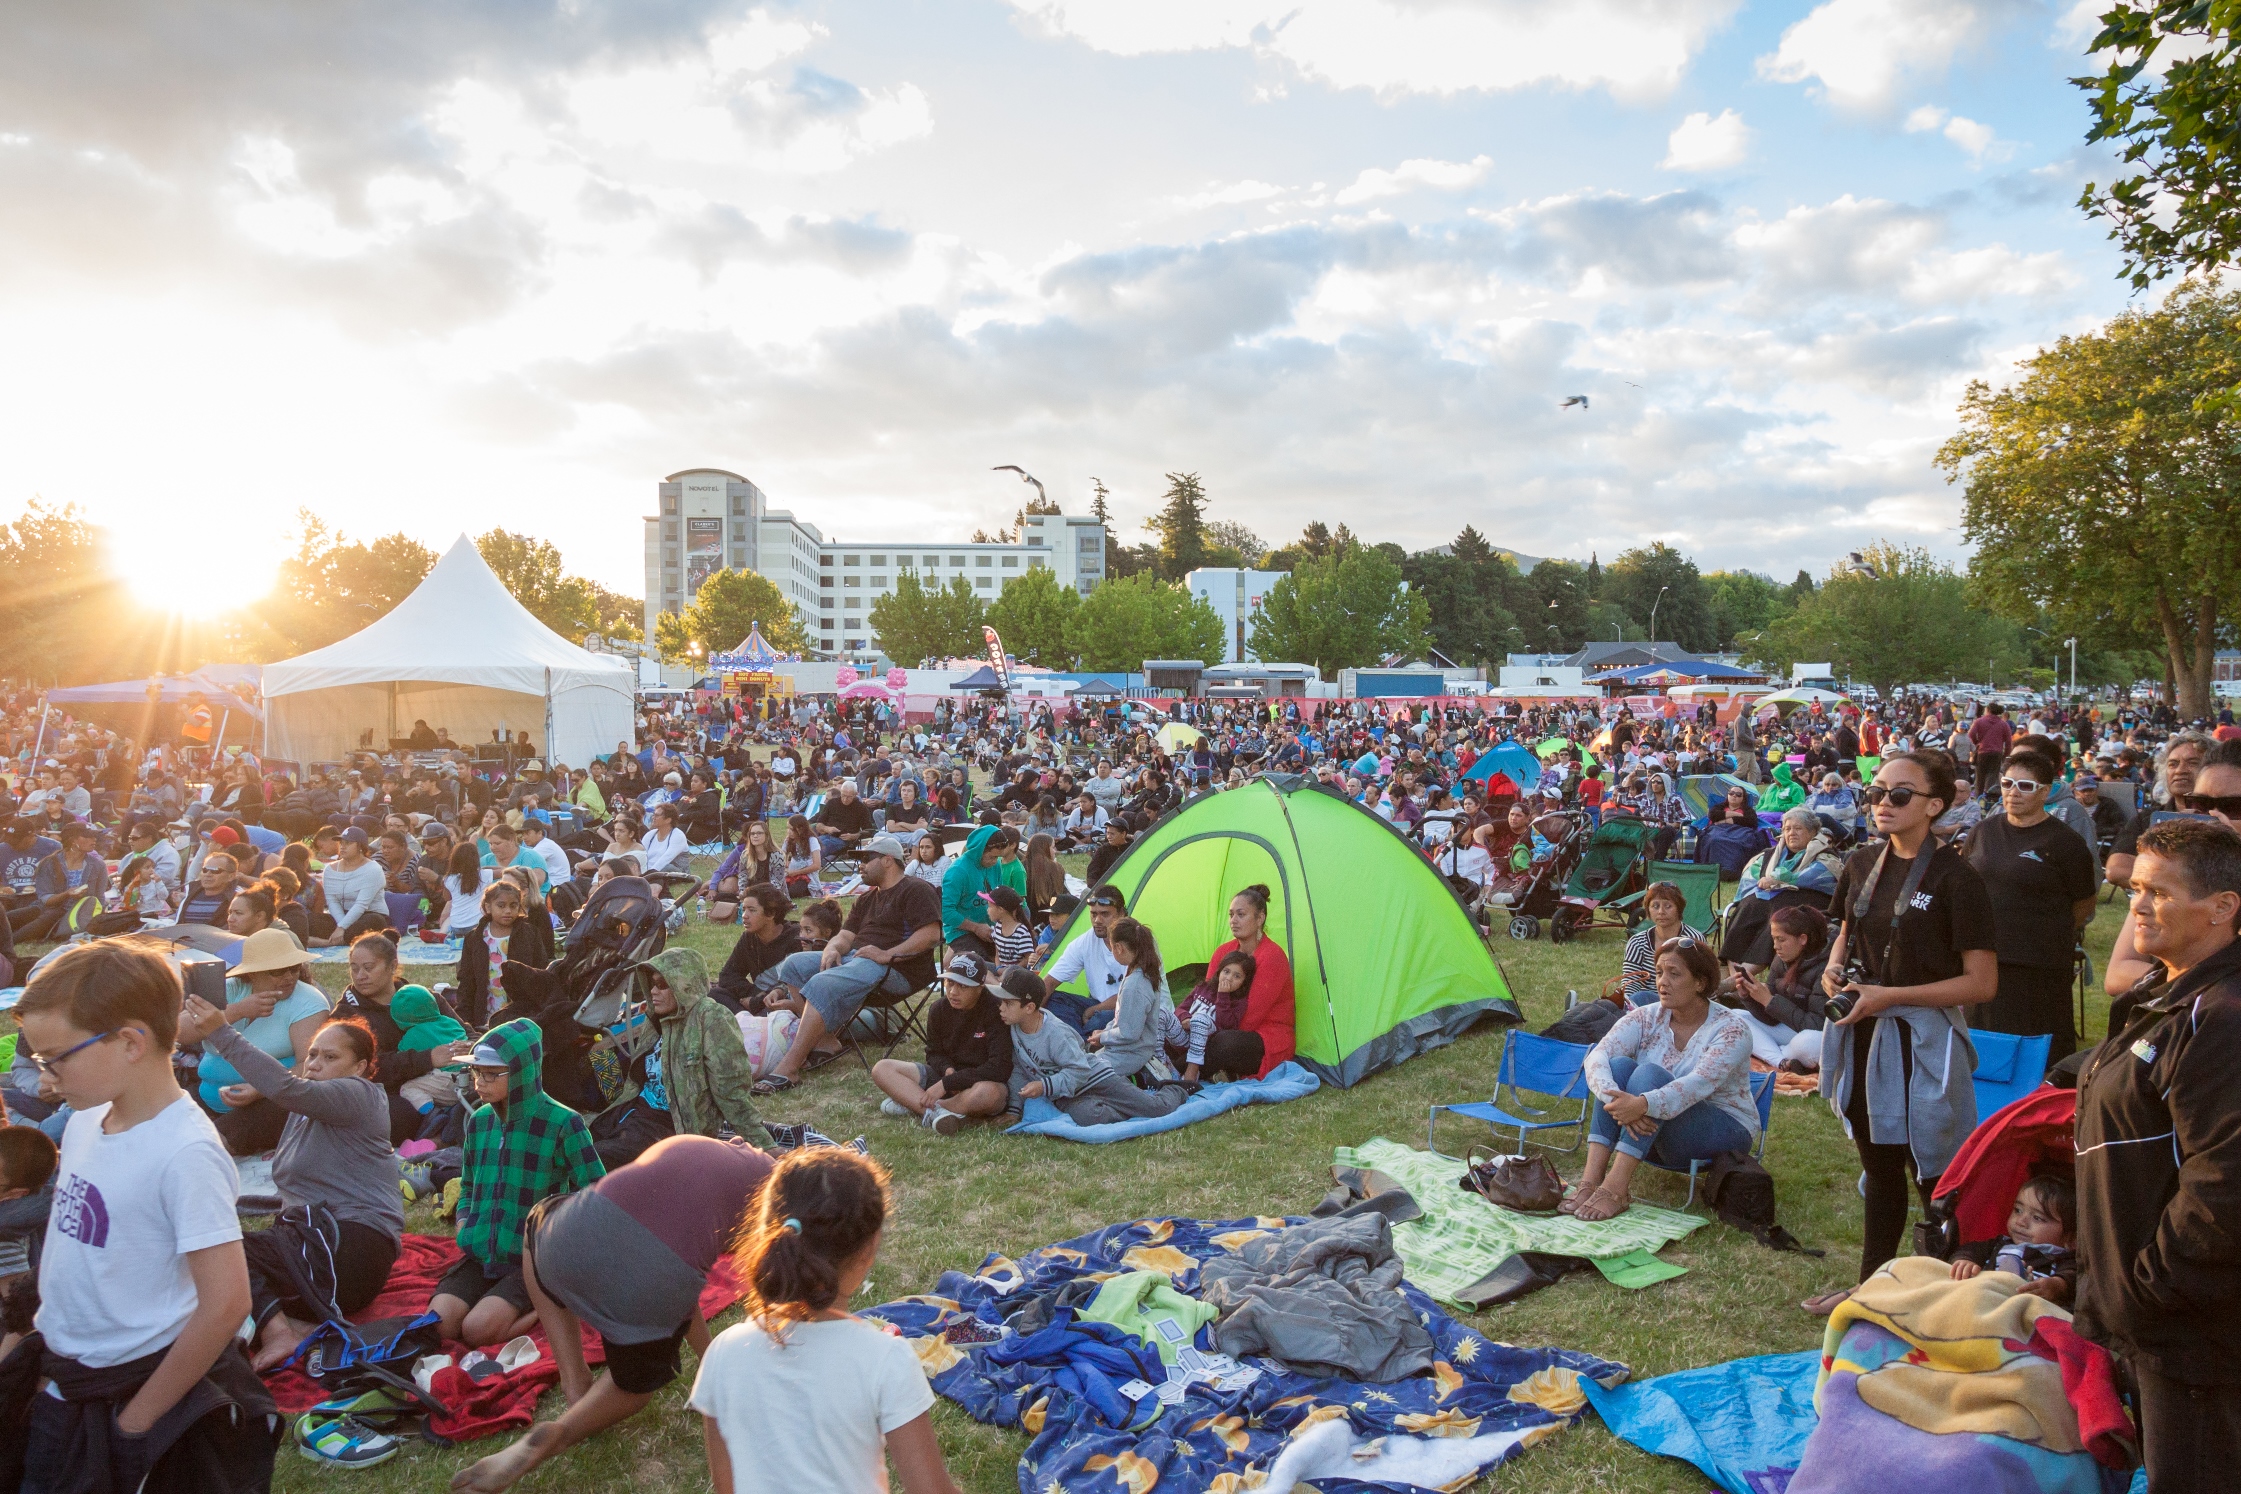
2039, 1231
522, 1147
1007, 915
425, 1026
1216, 1004
1050, 1063
27, 1163
1061, 912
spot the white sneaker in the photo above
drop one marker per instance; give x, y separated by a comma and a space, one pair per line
895, 1108
944, 1122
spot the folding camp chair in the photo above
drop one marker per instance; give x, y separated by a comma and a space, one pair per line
895, 1019
1529, 1065
1762, 1095
1700, 888
2007, 1068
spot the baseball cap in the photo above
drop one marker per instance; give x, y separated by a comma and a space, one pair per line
884, 845
967, 969
224, 836
1018, 984
353, 836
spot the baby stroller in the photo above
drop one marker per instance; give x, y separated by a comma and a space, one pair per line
1528, 894
577, 998
2031, 1138
1611, 874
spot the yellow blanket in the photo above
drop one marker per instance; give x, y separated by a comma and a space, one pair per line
1967, 1367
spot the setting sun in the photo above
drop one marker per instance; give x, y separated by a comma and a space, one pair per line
160, 573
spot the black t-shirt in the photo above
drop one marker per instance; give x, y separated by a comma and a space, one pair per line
846, 818
1950, 914
883, 919
2032, 875
2127, 842
750, 957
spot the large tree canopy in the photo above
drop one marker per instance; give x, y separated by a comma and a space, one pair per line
1910, 621
731, 602
2104, 486
1345, 612
1122, 623
916, 624
1032, 616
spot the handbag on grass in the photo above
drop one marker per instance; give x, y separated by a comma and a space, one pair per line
1527, 1184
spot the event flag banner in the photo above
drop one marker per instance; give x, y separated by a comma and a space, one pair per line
996, 659
704, 552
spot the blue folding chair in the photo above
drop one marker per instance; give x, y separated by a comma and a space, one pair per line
2007, 1068
1532, 1065
1762, 1095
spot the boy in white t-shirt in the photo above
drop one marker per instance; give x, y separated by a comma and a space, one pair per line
143, 1286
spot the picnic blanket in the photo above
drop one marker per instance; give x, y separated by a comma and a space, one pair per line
1221, 1427
1287, 1081
1461, 1237
496, 1405
1956, 1382
1744, 1424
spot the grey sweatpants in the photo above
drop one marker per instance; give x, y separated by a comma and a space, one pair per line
1114, 1099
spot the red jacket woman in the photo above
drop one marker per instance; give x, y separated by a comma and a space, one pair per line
1270, 1029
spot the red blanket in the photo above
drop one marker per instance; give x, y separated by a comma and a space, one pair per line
496, 1405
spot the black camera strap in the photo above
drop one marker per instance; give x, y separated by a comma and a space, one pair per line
1907, 889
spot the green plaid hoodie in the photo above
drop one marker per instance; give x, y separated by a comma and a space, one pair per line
530, 1148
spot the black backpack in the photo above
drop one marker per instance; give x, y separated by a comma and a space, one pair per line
1741, 1192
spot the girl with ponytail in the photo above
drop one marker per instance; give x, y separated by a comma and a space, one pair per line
813, 1398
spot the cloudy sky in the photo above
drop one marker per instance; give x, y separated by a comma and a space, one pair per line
443, 264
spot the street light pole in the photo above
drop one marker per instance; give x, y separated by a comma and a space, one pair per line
1652, 640
2073, 643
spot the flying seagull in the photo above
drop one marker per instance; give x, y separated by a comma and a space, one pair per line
1575, 399
1024, 476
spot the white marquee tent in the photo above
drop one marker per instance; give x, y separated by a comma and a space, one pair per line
461, 653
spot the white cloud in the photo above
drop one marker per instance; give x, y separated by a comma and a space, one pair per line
1410, 175
1634, 48
1979, 140
1859, 52
1703, 142
1218, 194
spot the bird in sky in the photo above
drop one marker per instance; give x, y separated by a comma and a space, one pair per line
1574, 399
1631, 384
1024, 476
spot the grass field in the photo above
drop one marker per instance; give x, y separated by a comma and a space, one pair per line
957, 1200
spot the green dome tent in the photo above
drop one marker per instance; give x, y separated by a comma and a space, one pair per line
1386, 962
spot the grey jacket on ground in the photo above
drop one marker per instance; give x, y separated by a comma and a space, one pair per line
1324, 1297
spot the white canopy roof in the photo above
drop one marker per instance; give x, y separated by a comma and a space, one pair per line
461, 653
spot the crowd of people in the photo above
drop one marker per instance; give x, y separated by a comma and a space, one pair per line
1902, 877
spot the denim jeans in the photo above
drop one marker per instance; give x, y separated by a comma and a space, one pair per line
1697, 1134
838, 994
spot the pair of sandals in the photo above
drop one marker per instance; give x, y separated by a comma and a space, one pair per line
1593, 1205
778, 1084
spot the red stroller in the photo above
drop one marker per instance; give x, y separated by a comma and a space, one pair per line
2031, 1138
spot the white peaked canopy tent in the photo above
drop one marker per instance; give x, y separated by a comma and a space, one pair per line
461, 653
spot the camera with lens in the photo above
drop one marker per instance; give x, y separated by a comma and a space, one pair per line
1839, 1006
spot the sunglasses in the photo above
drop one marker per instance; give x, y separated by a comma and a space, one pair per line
2228, 805
2021, 785
1900, 797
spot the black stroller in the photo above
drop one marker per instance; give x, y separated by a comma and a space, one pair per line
578, 998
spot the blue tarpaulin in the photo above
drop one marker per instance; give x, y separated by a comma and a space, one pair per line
1494, 1399
1287, 1081
1743, 1424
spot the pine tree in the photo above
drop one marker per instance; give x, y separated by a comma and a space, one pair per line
1181, 526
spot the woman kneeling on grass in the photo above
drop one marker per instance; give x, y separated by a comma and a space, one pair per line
805, 1391
1671, 1081
670, 1215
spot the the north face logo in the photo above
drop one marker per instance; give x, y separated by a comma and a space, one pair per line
80, 1214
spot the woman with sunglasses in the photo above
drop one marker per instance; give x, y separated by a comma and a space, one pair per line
2041, 877
1896, 1062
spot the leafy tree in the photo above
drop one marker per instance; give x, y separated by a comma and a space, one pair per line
1344, 612
332, 587
1742, 602
1594, 579
1122, 623
1467, 592
59, 606
618, 615
1911, 620
2178, 120
1554, 596
731, 602
1033, 615
2104, 485
1119, 559
671, 636
915, 623
1658, 583
1800, 590
1228, 534
1181, 526
1608, 622
532, 571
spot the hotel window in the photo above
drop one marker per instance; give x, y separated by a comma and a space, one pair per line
848, 560
983, 581
932, 561
982, 561
1011, 562
824, 560
851, 580
957, 560
878, 561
